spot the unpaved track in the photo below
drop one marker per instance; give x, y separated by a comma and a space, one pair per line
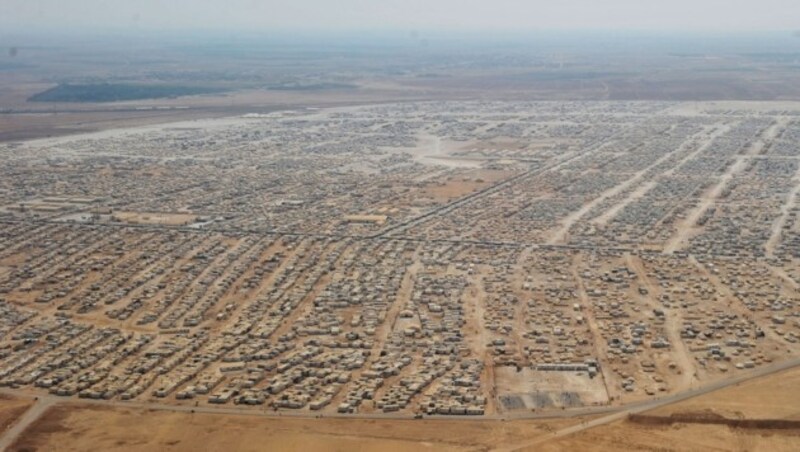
562, 233
777, 226
672, 326
591, 322
644, 189
29, 417
612, 212
686, 228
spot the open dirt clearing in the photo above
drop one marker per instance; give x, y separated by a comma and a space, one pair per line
91, 428
11, 409
775, 396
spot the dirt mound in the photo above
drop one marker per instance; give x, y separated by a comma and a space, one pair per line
709, 417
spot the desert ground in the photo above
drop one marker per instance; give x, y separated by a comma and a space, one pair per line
348, 261
11, 408
772, 397
472, 250
367, 72
77, 427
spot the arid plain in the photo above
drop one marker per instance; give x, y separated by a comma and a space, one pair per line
398, 248
511, 261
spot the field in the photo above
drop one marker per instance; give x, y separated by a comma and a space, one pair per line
11, 408
773, 397
547, 390
108, 92
468, 182
328, 262
628, 436
80, 427
173, 219
75, 428
325, 251
160, 79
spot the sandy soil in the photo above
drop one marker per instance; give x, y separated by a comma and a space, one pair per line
11, 409
687, 228
172, 219
463, 184
773, 397
625, 435
527, 384
91, 428
72, 427
779, 224
27, 120
77, 427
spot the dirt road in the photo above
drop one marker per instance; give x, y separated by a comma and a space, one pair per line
34, 412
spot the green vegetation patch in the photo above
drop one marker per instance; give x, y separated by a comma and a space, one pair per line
310, 86
115, 92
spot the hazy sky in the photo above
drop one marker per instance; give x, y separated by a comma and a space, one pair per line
405, 14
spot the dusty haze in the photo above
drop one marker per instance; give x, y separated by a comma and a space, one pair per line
734, 15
